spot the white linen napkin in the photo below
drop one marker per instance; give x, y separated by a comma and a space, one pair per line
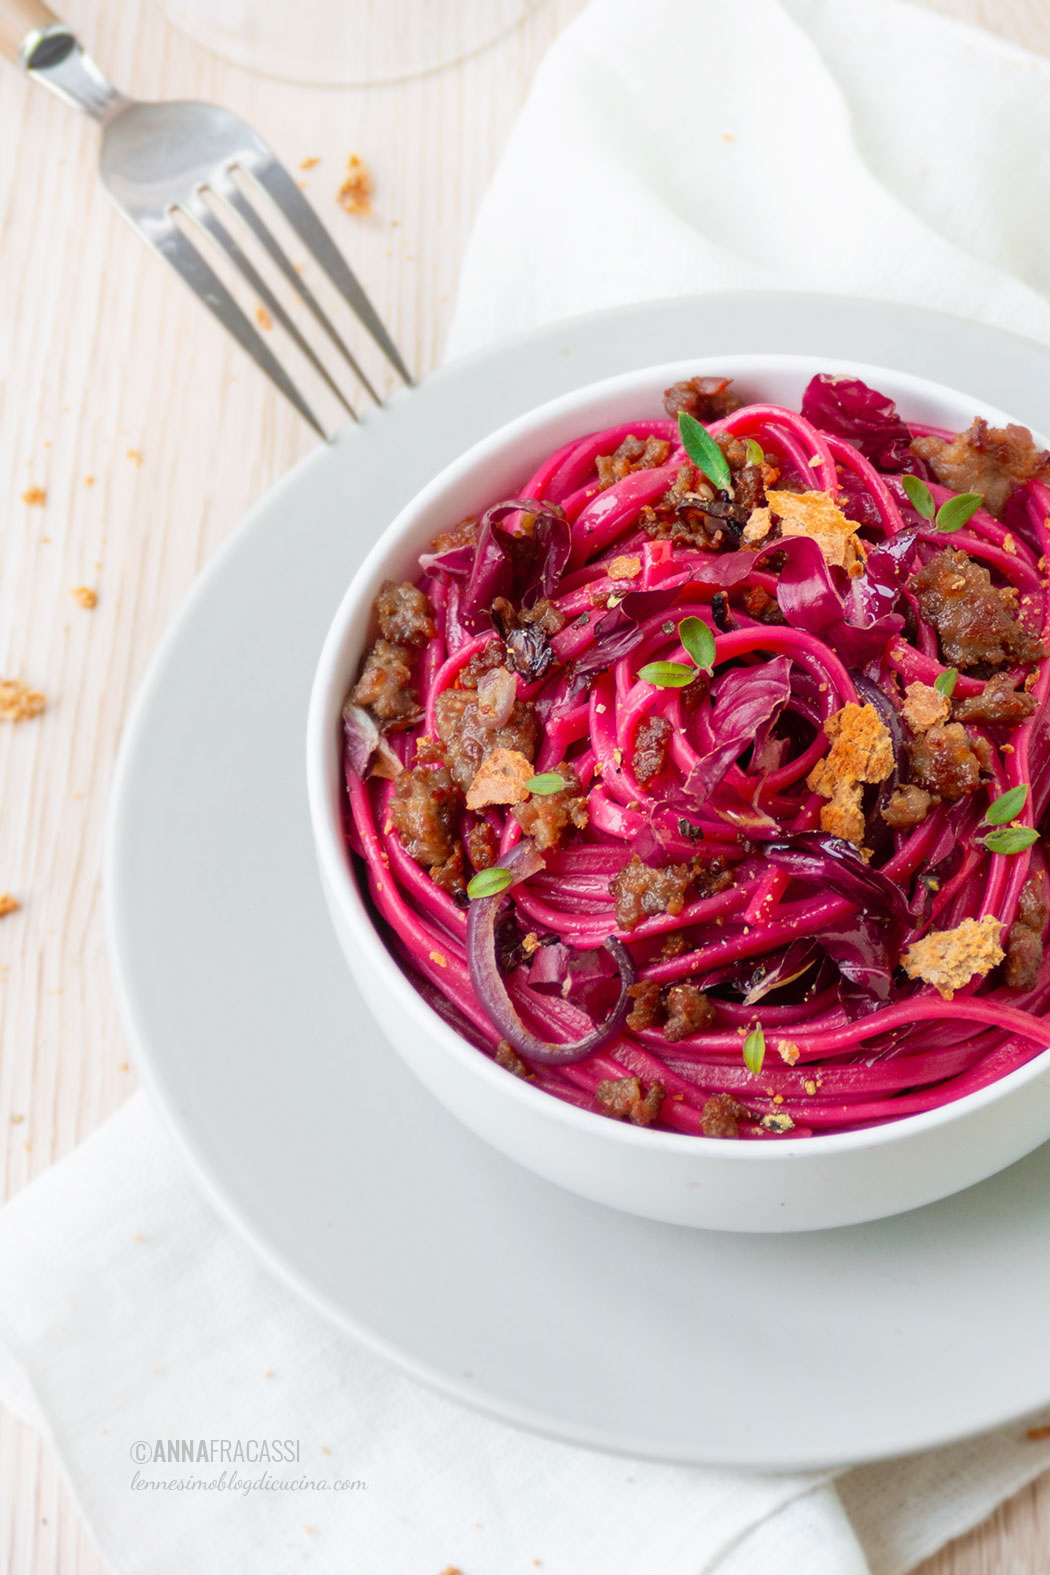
687, 144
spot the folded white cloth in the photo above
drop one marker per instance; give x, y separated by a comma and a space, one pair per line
688, 144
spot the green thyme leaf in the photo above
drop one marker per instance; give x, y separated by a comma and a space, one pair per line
954, 512
919, 496
944, 683
704, 451
487, 883
755, 1050
698, 641
546, 782
753, 449
1011, 839
1008, 806
667, 675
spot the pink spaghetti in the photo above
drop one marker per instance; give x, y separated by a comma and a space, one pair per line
702, 782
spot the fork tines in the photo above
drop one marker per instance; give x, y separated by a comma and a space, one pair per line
269, 177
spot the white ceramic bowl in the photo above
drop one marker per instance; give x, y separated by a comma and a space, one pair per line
800, 1184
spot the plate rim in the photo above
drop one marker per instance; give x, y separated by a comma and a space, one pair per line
179, 1123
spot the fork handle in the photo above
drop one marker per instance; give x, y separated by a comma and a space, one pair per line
19, 20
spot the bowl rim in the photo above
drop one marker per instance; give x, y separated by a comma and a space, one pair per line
341, 884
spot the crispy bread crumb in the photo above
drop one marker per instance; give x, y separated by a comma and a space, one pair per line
625, 568
924, 706
355, 194
789, 1051
8, 904
861, 751
18, 702
84, 595
34, 496
949, 958
263, 318
815, 514
500, 779
310, 163
759, 525
136, 455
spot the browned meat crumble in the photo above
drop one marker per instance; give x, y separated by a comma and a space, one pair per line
545, 817
1024, 946
989, 460
404, 614
622, 1098
704, 398
908, 807
720, 1117
482, 845
650, 748
641, 892
688, 1011
633, 454
1001, 703
648, 1008
424, 811
386, 688
945, 761
469, 739
975, 620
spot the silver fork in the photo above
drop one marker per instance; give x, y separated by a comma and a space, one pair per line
162, 163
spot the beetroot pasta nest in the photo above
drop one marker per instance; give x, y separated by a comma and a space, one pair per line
700, 783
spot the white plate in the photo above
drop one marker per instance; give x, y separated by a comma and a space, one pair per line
318, 1144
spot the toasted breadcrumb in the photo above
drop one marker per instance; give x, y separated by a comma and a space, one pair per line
439, 958
263, 318
500, 779
34, 496
949, 958
310, 163
779, 1121
8, 904
18, 702
861, 751
136, 455
789, 1051
625, 568
89, 481
355, 194
84, 595
924, 706
815, 514
759, 525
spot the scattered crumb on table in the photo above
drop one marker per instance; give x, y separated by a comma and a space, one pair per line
310, 163
35, 497
355, 194
263, 318
18, 702
84, 595
89, 481
136, 455
8, 904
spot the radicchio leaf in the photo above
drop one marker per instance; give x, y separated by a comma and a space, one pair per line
869, 420
747, 700
522, 567
367, 751
619, 632
859, 947
817, 859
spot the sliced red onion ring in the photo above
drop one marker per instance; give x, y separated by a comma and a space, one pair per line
523, 861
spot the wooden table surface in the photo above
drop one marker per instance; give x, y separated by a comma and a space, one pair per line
150, 435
